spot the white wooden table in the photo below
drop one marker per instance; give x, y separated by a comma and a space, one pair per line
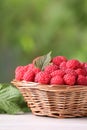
31, 122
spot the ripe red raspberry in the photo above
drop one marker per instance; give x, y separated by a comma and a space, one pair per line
69, 79
36, 70
18, 69
82, 80
63, 65
42, 77
80, 71
71, 71
50, 68
85, 66
29, 76
73, 64
19, 72
57, 80
82, 64
33, 68
58, 73
26, 68
58, 59
30, 66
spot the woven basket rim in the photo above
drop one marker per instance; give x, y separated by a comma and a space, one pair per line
33, 85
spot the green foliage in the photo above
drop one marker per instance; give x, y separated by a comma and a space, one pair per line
42, 61
11, 101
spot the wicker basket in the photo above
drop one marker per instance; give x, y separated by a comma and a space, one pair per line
54, 101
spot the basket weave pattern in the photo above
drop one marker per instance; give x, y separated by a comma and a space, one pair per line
54, 101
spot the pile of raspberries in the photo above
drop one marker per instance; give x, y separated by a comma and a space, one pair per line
60, 71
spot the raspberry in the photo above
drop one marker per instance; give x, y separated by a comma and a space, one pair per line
58, 59
18, 69
50, 68
85, 66
19, 72
82, 64
33, 68
82, 80
36, 70
30, 66
80, 71
29, 76
26, 67
71, 71
58, 80
69, 79
63, 65
58, 73
19, 76
73, 64
42, 77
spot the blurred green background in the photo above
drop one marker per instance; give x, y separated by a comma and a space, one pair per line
29, 28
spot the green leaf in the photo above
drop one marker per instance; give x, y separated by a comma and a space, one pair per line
11, 101
42, 61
